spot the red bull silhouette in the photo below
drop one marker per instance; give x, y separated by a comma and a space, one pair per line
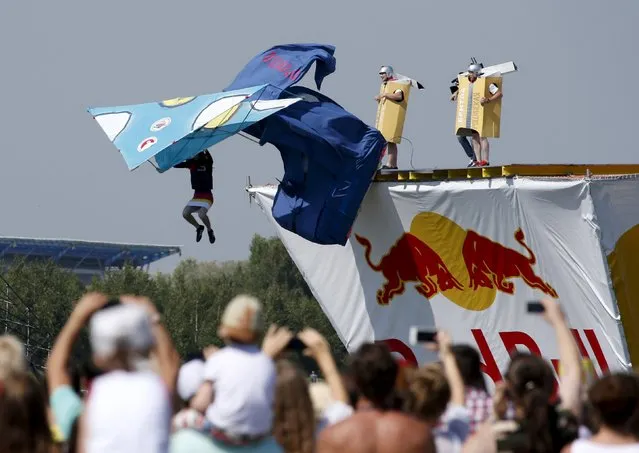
492, 265
410, 260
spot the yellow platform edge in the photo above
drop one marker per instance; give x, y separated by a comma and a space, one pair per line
558, 170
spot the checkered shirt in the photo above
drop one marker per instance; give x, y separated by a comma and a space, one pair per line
480, 405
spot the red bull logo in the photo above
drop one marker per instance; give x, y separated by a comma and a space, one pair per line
491, 265
410, 260
464, 266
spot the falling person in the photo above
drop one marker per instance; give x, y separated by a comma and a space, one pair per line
201, 168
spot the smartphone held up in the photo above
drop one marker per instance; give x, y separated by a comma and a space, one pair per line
534, 306
422, 334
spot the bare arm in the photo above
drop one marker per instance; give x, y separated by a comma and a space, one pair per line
570, 388
482, 441
275, 340
319, 349
450, 368
57, 374
494, 97
499, 95
167, 356
397, 97
80, 440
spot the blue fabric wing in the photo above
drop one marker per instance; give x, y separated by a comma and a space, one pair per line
284, 65
232, 121
330, 157
174, 130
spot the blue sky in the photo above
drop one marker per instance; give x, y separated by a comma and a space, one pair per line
62, 178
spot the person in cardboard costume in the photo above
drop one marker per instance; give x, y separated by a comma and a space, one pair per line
392, 102
478, 110
480, 144
395, 94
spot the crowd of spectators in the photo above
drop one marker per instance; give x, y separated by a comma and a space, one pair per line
252, 395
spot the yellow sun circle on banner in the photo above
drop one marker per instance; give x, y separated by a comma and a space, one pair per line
222, 118
176, 102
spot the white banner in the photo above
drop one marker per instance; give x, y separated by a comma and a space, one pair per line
467, 256
617, 215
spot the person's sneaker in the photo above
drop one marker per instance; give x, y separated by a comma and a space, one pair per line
211, 236
198, 233
472, 163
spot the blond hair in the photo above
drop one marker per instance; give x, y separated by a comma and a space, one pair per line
429, 393
12, 356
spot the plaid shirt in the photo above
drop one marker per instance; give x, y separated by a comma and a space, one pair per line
480, 405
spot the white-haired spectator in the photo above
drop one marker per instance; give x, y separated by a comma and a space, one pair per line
66, 403
129, 406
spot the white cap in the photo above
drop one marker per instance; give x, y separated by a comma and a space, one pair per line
475, 68
124, 325
190, 378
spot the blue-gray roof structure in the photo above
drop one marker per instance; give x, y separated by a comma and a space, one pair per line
86, 258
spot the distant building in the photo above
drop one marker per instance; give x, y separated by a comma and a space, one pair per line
84, 258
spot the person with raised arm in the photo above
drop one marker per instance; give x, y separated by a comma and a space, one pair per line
437, 396
377, 425
539, 425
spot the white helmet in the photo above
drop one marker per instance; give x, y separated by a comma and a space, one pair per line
475, 68
388, 70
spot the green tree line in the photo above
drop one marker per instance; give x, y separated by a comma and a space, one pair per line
37, 297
